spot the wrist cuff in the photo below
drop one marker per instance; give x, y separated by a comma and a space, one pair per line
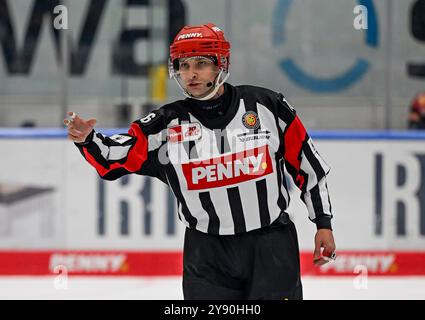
323, 222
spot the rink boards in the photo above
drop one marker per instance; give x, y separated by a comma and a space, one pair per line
54, 209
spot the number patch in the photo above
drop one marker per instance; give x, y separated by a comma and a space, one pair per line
148, 118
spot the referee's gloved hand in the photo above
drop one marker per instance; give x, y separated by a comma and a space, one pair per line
323, 239
78, 128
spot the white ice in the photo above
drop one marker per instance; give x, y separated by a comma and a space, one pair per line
169, 288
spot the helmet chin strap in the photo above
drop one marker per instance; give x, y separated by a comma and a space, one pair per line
213, 91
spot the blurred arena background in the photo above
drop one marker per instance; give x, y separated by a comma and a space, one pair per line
64, 233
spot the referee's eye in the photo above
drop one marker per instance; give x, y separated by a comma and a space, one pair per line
184, 66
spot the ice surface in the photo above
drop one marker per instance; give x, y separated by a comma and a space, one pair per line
165, 288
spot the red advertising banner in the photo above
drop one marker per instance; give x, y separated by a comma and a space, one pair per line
165, 263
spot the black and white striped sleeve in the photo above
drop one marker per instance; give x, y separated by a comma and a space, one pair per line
121, 154
305, 165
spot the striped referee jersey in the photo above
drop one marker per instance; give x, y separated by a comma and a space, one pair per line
227, 173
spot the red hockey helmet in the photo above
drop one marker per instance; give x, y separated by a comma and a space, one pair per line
200, 40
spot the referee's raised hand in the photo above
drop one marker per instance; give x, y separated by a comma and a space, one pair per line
78, 128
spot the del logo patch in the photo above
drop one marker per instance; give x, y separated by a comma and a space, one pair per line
250, 120
184, 132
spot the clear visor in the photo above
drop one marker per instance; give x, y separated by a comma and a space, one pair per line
196, 64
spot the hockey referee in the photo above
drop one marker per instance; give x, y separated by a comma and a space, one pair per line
223, 151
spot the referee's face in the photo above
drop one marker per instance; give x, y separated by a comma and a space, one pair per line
198, 75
